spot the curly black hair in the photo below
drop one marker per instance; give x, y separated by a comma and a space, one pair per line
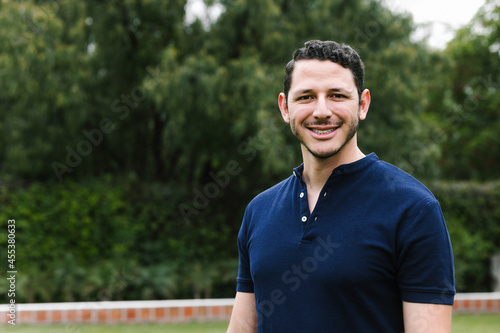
341, 54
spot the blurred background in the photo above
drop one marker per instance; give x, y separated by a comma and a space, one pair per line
134, 133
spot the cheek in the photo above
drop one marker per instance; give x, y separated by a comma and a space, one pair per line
302, 113
348, 112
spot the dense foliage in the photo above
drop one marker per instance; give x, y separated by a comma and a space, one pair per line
108, 239
132, 138
472, 213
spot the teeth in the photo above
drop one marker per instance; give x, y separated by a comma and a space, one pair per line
323, 132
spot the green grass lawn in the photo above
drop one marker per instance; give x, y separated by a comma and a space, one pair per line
461, 324
218, 327
469, 323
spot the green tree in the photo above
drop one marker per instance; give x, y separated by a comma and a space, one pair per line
114, 87
44, 97
471, 118
72, 74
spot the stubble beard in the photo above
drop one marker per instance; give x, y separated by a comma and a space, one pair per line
352, 130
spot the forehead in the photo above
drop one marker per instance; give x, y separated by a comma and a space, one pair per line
311, 74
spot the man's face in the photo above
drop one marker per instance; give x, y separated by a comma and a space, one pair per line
323, 107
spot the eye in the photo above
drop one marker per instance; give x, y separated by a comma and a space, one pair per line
304, 98
337, 96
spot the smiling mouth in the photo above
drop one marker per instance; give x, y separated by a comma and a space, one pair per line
323, 132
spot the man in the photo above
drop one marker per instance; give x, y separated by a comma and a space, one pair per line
348, 243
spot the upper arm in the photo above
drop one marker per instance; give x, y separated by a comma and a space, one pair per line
424, 257
428, 318
244, 315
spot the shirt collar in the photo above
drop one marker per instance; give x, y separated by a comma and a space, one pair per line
344, 169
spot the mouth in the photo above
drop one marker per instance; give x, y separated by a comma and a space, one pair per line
324, 131
321, 132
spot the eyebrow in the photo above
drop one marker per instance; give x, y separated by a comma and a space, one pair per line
340, 90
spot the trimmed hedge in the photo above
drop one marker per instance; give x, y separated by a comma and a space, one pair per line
472, 214
114, 239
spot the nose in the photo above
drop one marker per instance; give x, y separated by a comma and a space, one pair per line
321, 110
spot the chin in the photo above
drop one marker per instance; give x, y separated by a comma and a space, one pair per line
323, 154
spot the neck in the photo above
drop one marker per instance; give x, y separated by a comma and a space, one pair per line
318, 170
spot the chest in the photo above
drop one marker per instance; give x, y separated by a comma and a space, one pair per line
312, 198
334, 248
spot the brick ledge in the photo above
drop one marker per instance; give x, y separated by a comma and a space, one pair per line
175, 311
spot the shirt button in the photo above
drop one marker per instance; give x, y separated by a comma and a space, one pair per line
304, 218
324, 194
301, 194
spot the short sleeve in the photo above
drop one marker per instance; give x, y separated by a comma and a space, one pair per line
244, 279
425, 258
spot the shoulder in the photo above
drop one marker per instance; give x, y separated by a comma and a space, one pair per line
415, 211
394, 190
398, 182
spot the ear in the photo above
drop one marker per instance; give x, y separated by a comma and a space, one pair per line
283, 107
365, 104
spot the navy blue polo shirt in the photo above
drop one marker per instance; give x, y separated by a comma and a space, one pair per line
376, 237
